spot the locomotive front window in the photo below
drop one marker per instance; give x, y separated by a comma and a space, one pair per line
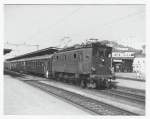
100, 53
107, 52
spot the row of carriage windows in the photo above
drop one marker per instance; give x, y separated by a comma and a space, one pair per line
56, 58
68, 57
37, 63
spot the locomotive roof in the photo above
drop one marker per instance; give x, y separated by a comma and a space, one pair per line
96, 44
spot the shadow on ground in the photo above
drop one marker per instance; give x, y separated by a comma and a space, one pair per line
14, 75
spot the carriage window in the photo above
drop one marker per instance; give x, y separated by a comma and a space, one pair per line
64, 57
60, 57
70, 57
75, 55
57, 57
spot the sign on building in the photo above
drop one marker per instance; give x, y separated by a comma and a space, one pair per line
123, 54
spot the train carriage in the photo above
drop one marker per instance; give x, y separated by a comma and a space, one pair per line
39, 65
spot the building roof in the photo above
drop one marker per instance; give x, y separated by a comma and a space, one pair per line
45, 51
7, 51
88, 45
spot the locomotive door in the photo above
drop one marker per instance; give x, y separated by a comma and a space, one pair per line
102, 60
86, 63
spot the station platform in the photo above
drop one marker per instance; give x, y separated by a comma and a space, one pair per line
130, 84
130, 76
130, 80
89, 93
23, 99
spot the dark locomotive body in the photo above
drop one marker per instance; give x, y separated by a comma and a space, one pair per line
88, 65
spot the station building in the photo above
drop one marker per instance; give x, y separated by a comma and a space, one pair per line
123, 58
139, 64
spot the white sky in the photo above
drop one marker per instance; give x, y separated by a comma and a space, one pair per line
46, 25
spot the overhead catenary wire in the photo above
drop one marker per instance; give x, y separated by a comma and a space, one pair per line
114, 21
23, 44
120, 19
104, 25
16, 49
62, 19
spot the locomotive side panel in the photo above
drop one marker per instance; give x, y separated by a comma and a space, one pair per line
75, 61
85, 64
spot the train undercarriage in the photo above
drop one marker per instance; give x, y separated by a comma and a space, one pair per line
83, 80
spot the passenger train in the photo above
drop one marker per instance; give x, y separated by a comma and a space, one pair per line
87, 65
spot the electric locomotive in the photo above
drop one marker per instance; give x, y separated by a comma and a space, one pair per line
88, 65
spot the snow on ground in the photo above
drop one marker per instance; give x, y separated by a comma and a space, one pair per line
21, 98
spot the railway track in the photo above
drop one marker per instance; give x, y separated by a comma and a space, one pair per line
131, 91
134, 96
130, 97
90, 104
97, 107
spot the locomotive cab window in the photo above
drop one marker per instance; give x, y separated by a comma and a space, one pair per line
108, 53
100, 53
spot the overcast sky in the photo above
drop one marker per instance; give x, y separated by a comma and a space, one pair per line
48, 25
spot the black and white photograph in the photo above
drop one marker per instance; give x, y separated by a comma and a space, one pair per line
74, 59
